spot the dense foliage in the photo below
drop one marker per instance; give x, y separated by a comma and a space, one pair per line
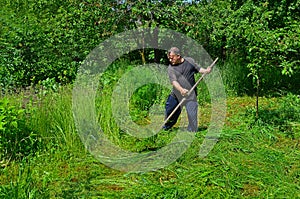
47, 40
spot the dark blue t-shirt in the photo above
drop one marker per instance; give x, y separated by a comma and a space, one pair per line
184, 74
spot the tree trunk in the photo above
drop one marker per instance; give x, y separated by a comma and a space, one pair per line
156, 50
142, 53
257, 96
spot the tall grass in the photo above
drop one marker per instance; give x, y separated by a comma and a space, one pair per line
52, 117
234, 74
139, 105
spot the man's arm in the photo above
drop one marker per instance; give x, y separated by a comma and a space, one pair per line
200, 69
175, 83
178, 87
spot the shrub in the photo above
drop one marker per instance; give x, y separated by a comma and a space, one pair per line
16, 139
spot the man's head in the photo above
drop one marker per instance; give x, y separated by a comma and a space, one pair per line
174, 56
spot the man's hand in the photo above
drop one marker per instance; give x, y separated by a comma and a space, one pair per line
208, 70
178, 87
205, 70
183, 92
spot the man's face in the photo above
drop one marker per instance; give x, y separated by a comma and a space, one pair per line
173, 58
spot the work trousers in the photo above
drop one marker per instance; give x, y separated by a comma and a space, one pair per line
191, 109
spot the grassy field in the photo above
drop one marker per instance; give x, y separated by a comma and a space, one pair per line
252, 159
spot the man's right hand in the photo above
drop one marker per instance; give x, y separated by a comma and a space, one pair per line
177, 86
183, 92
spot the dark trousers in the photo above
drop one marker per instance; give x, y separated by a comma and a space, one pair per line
191, 109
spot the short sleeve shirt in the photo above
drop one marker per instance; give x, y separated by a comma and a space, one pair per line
184, 74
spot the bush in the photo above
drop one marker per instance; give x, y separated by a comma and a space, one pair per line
16, 139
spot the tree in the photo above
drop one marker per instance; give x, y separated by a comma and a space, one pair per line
270, 37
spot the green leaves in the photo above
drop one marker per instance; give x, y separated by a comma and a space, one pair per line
49, 39
45, 39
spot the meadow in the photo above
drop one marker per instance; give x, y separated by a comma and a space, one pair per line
44, 43
44, 157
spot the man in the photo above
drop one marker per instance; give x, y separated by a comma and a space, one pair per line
181, 73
